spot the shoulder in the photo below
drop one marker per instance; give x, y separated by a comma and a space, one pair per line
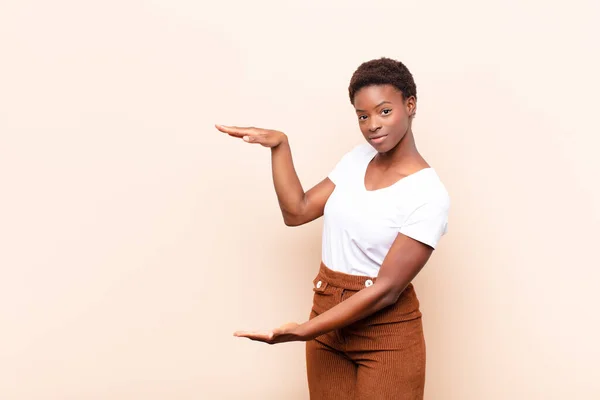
430, 191
426, 219
350, 162
364, 148
355, 155
360, 151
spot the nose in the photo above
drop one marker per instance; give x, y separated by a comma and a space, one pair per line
374, 126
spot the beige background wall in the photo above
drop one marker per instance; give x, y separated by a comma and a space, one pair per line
135, 238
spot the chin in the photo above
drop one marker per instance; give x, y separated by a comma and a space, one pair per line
384, 146
383, 149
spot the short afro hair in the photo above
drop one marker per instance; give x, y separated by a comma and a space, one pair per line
383, 71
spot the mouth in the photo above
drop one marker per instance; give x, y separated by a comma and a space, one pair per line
377, 139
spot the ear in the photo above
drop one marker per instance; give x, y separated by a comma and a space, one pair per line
411, 106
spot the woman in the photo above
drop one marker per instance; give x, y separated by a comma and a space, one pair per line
384, 211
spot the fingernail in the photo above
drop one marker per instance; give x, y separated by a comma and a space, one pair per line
246, 138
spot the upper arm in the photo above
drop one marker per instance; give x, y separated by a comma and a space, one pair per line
414, 244
403, 262
315, 199
314, 203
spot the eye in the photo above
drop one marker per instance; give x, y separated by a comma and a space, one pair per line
386, 111
362, 117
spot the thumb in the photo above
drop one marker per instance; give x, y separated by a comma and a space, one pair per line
253, 138
260, 139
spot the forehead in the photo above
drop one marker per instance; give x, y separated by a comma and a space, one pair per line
372, 95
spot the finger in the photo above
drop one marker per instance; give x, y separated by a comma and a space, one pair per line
240, 136
256, 138
236, 130
259, 336
249, 333
255, 338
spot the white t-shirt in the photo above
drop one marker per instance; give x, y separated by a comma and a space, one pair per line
361, 225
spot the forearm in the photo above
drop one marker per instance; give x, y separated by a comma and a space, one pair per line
361, 305
290, 193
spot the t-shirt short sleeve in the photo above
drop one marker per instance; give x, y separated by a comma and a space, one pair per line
338, 171
428, 223
344, 166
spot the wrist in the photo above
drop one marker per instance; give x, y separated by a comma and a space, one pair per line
302, 333
283, 141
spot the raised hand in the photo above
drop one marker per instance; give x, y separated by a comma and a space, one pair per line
266, 137
285, 333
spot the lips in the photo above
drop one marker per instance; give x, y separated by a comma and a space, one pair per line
378, 138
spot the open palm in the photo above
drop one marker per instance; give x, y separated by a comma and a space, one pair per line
265, 137
285, 333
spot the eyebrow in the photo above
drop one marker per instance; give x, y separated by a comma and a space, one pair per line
378, 105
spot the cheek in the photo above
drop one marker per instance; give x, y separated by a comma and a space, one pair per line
363, 127
399, 121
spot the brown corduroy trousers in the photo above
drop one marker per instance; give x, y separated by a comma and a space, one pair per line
379, 357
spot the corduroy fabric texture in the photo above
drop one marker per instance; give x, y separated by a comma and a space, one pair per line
377, 358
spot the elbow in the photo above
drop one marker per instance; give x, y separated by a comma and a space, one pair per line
294, 217
389, 296
291, 219
388, 300
290, 222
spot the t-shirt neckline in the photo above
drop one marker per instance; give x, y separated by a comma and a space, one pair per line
397, 183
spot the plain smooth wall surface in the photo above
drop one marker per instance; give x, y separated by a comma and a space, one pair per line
135, 238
